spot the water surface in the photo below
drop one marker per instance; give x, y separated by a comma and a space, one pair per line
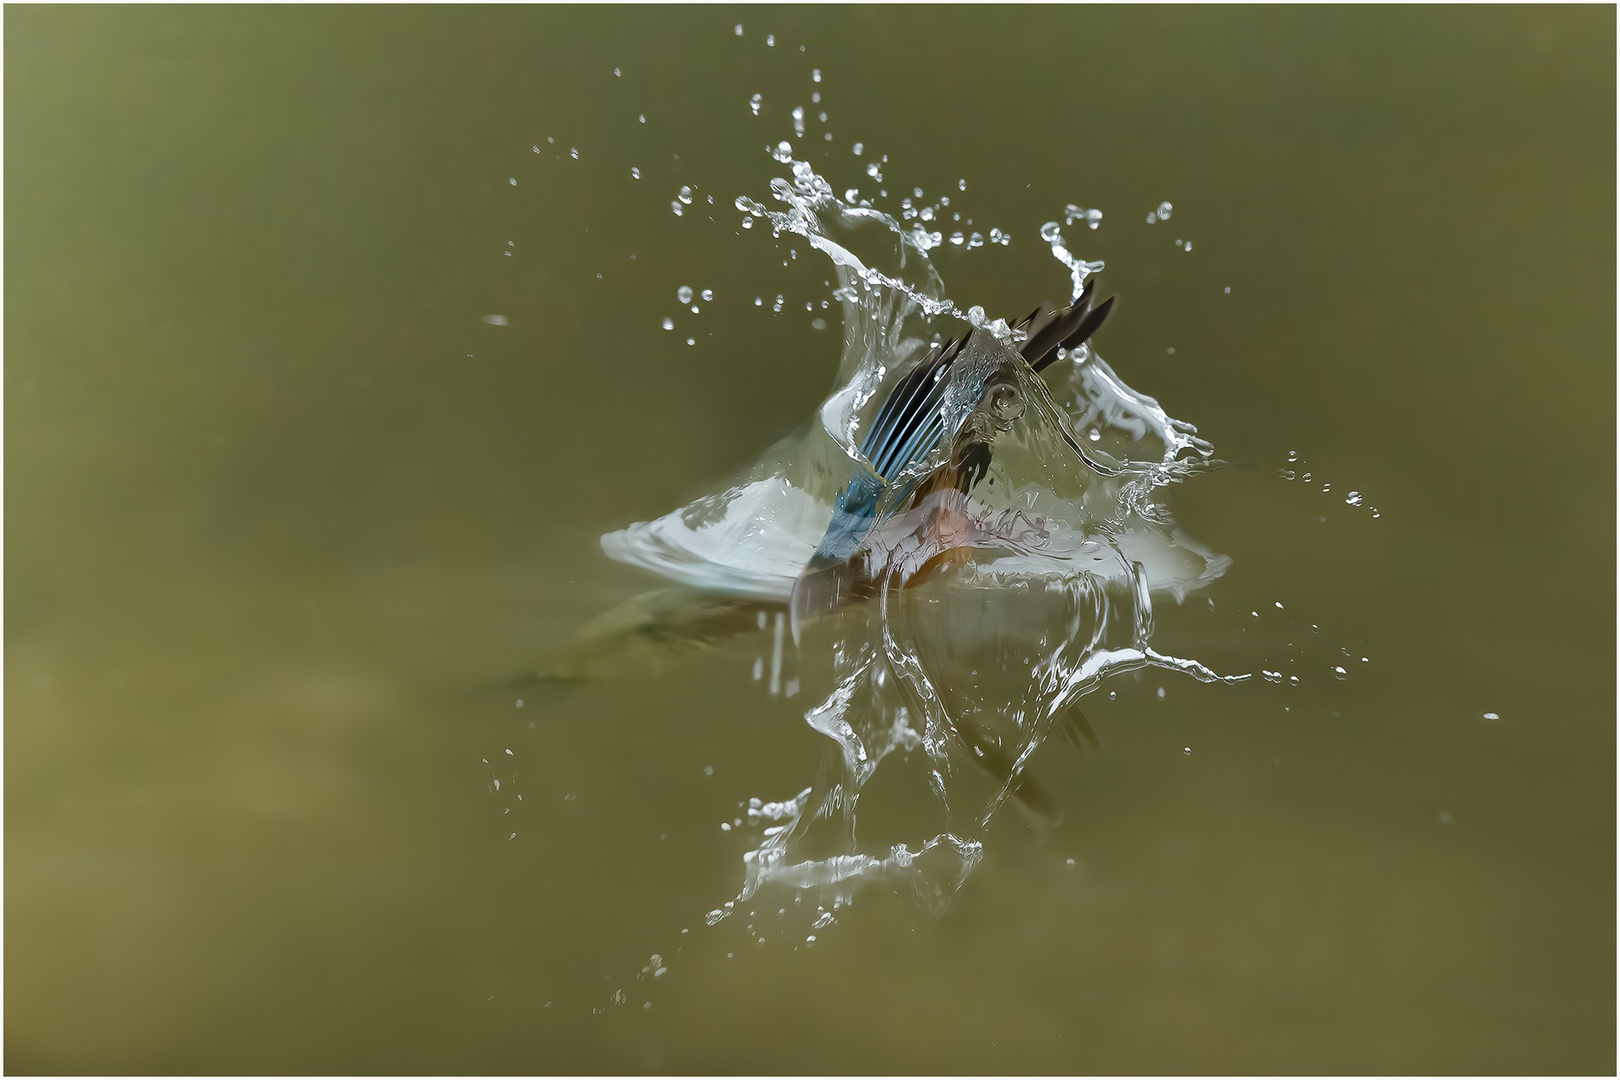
281, 500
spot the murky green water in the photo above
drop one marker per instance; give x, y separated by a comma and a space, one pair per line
279, 503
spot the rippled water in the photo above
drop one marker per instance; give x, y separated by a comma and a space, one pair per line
339, 339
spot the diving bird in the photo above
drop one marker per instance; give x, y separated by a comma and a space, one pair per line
910, 424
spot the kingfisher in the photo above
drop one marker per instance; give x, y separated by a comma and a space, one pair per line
911, 422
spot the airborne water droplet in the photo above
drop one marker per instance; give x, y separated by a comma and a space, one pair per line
684, 294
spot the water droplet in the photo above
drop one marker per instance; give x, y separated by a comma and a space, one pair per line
1094, 435
691, 341
669, 324
1492, 716
739, 29
1164, 211
615, 73
1286, 474
707, 294
635, 173
961, 185
573, 152
1353, 499
758, 301
754, 102
783, 151
642, 117
1161, 692
798, 120
684, 294
1293, 680
815, 74
495, 320
770, 39
1340, 673
708, 770
512, 180
686, 195
1186, 751
858, 149
818, 324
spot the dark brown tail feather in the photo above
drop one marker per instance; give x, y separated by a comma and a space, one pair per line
1063, 328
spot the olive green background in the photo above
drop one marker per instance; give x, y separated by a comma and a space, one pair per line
278, 503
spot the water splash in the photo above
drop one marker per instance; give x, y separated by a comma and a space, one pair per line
996, 607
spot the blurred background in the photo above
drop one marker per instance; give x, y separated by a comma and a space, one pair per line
279, 502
